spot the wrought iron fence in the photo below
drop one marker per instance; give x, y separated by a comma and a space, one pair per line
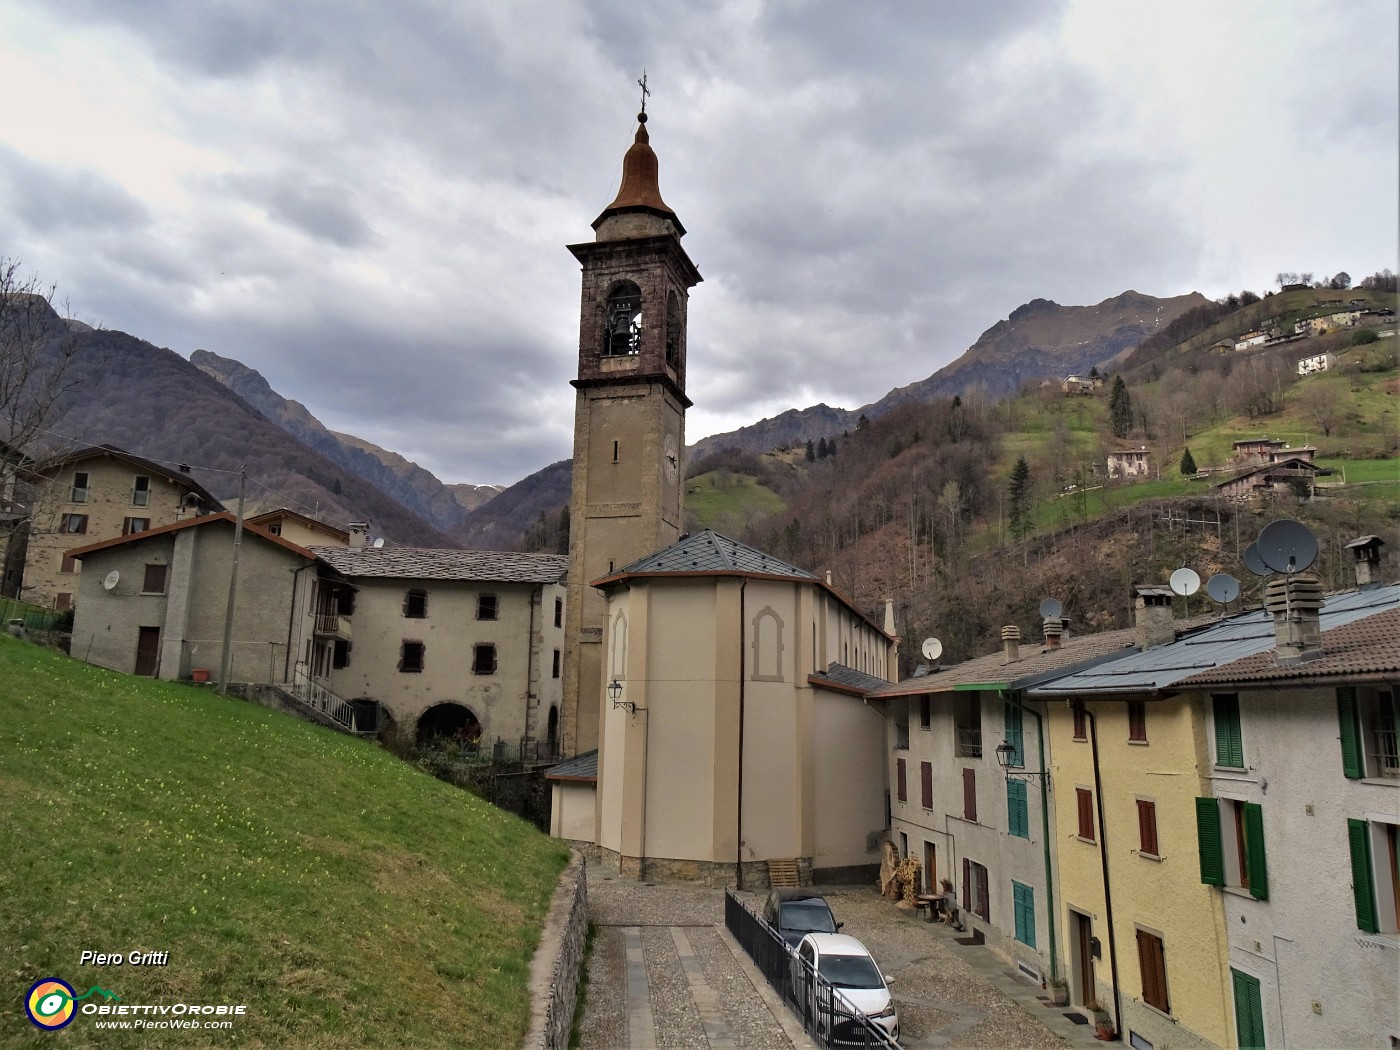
313, 694
826, 1015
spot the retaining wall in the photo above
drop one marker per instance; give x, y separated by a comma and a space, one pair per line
558, 962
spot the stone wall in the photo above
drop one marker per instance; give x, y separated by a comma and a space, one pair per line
558, 962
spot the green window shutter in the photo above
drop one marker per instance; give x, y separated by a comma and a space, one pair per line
1350, 726
1254, 847
1023, 901
1359, 838
1208, 836
1014, 735
1249, 1011
1229, 745
1017, 816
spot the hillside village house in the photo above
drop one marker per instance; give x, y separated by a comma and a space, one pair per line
304, 530
1317, 363
154, 602
1249, 452
95, 494
1128, 463
466, 644
1294, 476
735, 732
1250, 340
1146, 925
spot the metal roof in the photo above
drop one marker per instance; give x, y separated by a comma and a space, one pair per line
1228, 640
426, 563
709, 552
580, 767
846, 680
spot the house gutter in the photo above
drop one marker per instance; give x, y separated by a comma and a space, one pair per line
1103, 862
1015, 699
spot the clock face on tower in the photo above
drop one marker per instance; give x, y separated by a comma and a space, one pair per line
672, 460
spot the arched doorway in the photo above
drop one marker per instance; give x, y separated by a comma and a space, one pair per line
449, 723
551, 736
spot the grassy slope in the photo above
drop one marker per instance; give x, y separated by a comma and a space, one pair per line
727, 502
347, 898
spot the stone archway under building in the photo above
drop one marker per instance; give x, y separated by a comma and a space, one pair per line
449, 722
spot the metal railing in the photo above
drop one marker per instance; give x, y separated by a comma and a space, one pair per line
968, 743
316, 696
1385, 755
827, 1015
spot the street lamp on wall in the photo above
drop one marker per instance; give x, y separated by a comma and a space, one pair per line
615, 695
1009, 756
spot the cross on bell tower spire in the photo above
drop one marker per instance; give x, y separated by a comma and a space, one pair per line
642, 116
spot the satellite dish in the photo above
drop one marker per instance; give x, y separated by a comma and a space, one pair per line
1287, 546
932, 649
1223, 588
1253, 562
1051, 609
1185, 582
110, 580
378, 543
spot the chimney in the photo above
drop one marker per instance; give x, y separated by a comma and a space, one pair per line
1152, 617
1295, 603
1054, 628
359, 532
1064, 629
889, 616
1010, 644
1367, 552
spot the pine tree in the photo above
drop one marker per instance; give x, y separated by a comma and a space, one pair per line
1019, 499
1188, 463
1120, 408
811, 451
823, 449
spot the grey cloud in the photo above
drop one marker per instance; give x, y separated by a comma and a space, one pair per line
316, 207
49, 199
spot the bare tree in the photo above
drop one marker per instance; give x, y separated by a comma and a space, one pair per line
1326, 402
37, 350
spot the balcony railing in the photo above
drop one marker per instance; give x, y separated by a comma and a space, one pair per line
1385, 759
333, 625
968, 743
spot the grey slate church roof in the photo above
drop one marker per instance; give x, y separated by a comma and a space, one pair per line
709, 552
428, 563
580, 767
845, 679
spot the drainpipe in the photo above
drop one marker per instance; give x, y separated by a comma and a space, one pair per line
291, 619
1015, 700
1103, 861
743, 671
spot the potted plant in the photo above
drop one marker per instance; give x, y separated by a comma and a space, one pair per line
1103, 1024
1059, 992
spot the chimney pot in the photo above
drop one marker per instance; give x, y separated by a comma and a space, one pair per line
1295, 603
1010, 643
359, 532
1053, 628
1367, 552
1152, 617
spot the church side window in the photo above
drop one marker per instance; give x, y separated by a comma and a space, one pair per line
673, 330
622, 334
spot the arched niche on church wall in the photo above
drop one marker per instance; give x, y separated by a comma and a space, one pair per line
617, 648
768, 645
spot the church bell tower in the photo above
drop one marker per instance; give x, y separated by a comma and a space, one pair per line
629, 418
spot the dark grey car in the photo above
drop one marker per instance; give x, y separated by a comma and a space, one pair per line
794, 913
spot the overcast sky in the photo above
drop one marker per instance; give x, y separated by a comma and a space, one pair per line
369, 202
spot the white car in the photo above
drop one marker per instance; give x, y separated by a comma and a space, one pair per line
845, 963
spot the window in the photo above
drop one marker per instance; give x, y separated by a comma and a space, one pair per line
486, 608
1230, 834
1375, 874
340, 654
1137, 721
154, 580
141, 492
63, 600
901, 728
1367, 722
673, 330
1147, 828
411, 655
70, 564
80, 488
901, 783
1023, 907
415, 604
558, 612
1013, 735
556, 664
1249, 1011
1152, 957
970, 795
976, 890
483, 659
1081, 730
133, 525
75, 524
925, 712
622, 332
967, 726
1229, 745
1085, 799
926, 783
1017, 812
275, 528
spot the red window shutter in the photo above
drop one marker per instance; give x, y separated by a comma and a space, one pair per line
926, 779
970, 794
1086, 813
903, 795
984, 900
967, 884
1147, 827
1080, 729
1137, 720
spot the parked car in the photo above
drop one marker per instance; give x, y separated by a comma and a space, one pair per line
852, 975
794, 913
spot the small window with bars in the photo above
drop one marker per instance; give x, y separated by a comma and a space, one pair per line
483, 659
411, 657
487, 608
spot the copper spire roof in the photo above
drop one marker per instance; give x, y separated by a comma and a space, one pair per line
640, 189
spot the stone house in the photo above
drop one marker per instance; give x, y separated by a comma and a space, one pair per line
154, 602
1277, 478
1317, 363
1129, 463
303, 529
94, 494
456, 643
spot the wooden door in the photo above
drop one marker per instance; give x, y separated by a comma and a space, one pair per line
148, 652
930, 868
1084, 993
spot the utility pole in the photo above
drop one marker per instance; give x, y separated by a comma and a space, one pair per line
227, 659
